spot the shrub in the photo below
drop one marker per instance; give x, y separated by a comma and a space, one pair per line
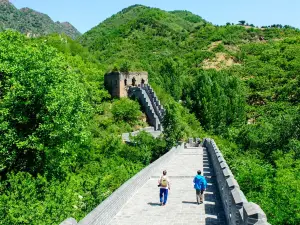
126, 110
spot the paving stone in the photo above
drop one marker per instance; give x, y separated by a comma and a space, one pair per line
143, 208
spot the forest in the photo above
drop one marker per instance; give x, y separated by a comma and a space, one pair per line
60, 142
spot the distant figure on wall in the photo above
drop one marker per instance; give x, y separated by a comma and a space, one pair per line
200, 186
133, 81
164, 184
143, 83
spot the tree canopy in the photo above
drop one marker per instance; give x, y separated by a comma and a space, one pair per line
61, 131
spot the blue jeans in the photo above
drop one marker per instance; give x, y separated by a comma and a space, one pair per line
163, 193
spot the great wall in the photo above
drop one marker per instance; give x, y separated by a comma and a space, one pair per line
137, 201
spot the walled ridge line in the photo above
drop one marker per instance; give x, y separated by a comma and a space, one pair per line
238, 210
107, 209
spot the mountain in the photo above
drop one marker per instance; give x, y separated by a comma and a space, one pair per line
241, 82
186, 15
60, 130
138, 20
31, 22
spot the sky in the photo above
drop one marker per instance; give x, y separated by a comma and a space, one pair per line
85, 14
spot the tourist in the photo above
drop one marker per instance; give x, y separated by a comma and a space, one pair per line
164, 185
200, 186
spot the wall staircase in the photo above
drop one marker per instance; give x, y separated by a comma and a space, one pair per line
151, 106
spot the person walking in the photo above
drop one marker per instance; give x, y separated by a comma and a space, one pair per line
164, 184
200, 186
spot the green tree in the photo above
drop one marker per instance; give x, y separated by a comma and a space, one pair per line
173, 130
217, 98
43, 109
125, 66
126, 110
242, 22
171, 72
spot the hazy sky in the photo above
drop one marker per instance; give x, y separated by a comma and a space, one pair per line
85, 14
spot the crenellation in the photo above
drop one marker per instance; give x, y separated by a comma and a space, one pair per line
221, 159
232, 183
104, 212
223, 165
118, 83
227, 172
238, 210
153, 113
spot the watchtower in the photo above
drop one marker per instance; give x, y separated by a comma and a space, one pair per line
118, 83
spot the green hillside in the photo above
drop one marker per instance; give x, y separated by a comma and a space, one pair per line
31, 22
137, 23
242, 83
60, 147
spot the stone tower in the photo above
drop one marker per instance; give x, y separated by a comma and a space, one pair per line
118, 83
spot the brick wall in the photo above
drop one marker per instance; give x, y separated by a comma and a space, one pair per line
146, 103
237, 209
104, 212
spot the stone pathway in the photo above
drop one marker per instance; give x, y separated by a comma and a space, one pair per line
181, 208
150, 130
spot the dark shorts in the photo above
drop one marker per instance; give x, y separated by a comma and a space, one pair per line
198, 192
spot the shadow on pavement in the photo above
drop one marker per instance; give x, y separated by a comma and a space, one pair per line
153, 204
186, 202
213, 221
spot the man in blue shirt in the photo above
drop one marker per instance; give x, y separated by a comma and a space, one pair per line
200, 186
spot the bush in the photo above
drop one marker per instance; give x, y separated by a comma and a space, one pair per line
126, 110
42, 106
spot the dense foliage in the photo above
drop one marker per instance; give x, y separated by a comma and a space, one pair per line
60, 131
217, 98
30, 22
43, 109
242, 83
61, 152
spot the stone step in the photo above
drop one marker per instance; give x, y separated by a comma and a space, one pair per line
148, 129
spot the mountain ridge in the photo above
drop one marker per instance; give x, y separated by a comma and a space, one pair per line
31, 22
238, 84
141, 18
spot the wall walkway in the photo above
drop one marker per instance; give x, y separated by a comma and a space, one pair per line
142, 207
150, 103
153, 109
181, 208
150, 130
137, 200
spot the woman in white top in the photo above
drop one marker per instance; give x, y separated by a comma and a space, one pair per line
164, 185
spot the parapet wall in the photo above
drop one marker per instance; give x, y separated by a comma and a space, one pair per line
104, 212
158, 108
238, 210
145, 101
